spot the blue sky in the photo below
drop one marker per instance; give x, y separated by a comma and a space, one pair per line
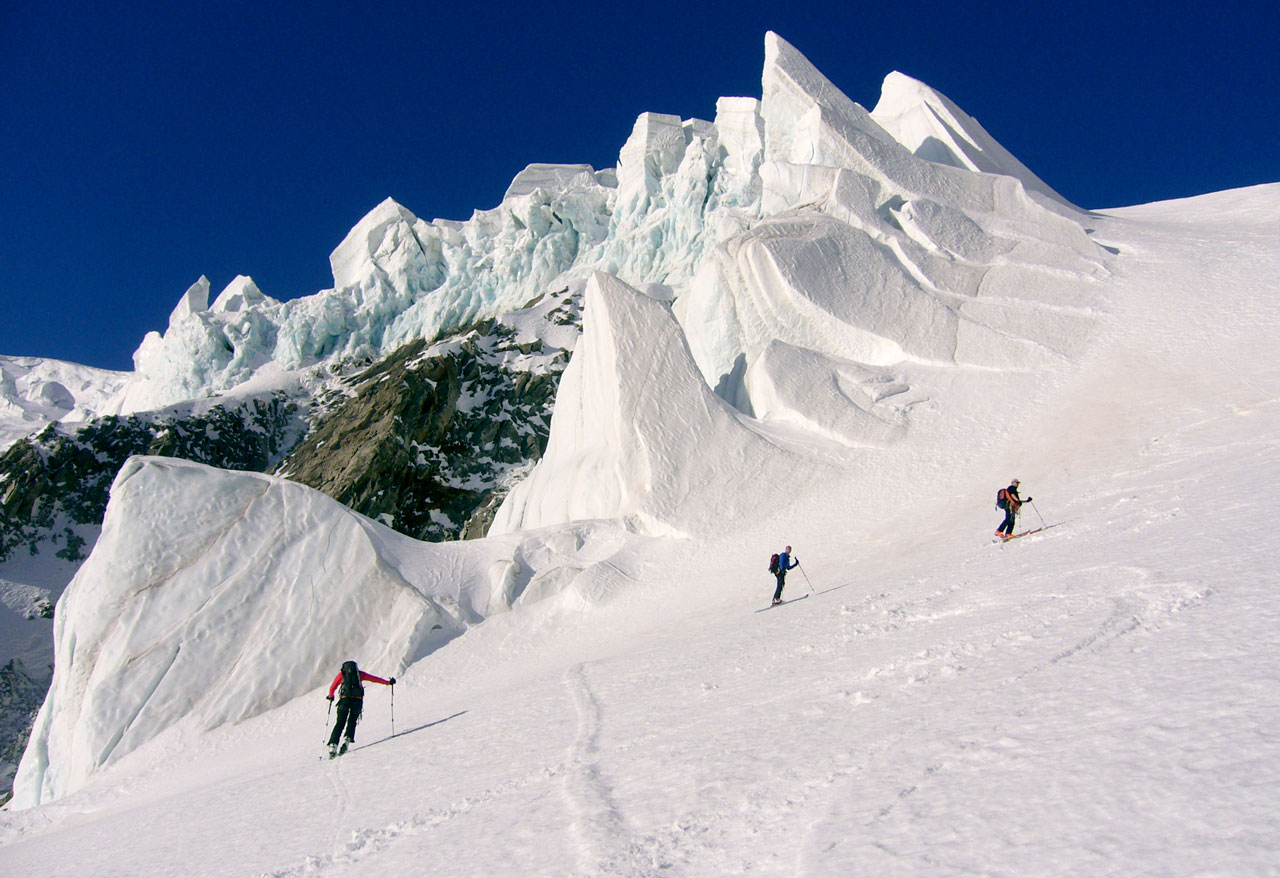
148, 143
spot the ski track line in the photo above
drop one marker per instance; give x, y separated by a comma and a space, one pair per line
1146, 607
607, 844
596, 822
343, 794
364, 843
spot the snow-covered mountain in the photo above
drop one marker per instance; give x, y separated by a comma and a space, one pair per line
35, 392
931, 203
800, 322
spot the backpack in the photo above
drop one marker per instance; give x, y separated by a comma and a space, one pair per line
351, 685
773, 564
1002, 499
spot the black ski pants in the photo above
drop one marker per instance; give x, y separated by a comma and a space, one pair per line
782, 580
348, 715
1010, 517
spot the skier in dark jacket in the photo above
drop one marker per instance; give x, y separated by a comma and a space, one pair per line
350, 703
784, 564
1011, 503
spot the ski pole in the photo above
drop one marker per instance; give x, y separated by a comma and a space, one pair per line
806, 576
1038, 515
393, 710
328, 714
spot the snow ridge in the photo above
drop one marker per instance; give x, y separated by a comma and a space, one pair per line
35, 392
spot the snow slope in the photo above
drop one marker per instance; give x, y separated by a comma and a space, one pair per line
1098, 698
241, 595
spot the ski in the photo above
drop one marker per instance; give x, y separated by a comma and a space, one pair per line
1015, 536
780, 603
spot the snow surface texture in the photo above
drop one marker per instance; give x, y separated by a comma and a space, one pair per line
133, 659
242, 594
1096, 698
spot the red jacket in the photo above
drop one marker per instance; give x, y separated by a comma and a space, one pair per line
368, 678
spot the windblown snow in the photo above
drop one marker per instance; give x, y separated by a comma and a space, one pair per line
803, 323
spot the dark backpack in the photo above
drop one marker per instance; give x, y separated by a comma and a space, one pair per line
773, 564
351, 685
1002, 499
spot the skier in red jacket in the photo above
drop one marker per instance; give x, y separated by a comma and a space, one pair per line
350, 702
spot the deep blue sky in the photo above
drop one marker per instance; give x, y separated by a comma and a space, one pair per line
147, 143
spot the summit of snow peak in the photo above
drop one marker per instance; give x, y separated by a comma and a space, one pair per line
932, 127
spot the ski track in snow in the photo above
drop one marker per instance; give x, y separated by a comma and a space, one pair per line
596, 823
342, 800
365, 844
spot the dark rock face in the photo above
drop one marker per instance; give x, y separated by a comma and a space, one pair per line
61, 478
20, 699
431, 438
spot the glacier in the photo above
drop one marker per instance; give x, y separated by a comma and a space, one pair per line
774, 301
923, 208
1105, 689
